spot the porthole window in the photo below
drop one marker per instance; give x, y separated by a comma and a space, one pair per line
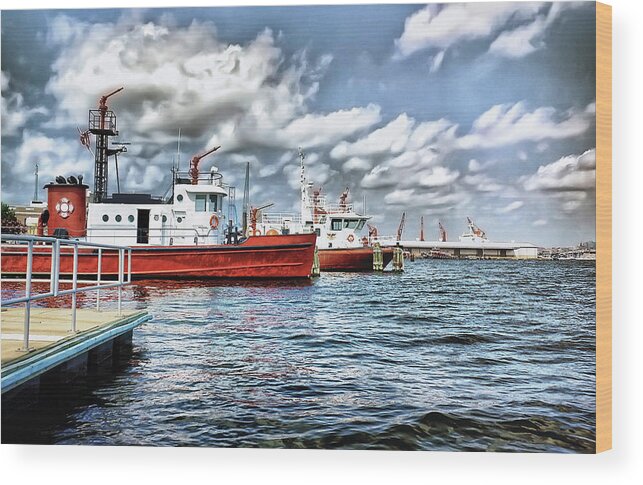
156, 217
179, 197
105, 218
179, 219
164, 219
130, 218
118, 218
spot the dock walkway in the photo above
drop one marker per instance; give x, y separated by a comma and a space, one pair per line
52, 343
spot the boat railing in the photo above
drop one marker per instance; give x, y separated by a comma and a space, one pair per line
56, 245
164, 236
281, 218
338, 208
204, 178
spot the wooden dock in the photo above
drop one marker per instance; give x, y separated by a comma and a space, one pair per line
52, 344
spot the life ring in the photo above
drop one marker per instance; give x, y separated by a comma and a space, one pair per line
64, 208
350, 238
252, 232
214, 221
272, 232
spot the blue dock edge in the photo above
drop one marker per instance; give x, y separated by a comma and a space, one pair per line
23, 370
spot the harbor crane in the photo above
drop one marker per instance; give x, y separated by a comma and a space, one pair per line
475, 229
422, 228
194, 165
443, 233
400, 228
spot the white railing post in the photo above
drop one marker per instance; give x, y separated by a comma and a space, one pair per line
98, 277
56, 276
52, 280
25, 337
74, 288
121, 261
129, 265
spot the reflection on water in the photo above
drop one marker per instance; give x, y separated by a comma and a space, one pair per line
450, 355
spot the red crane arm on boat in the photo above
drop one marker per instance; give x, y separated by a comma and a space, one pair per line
194, 165
102, 102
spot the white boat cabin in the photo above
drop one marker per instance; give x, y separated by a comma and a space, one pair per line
337, 226
193, 215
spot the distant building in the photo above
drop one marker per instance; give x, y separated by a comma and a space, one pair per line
28, 215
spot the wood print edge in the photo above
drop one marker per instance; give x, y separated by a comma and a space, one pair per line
603, 227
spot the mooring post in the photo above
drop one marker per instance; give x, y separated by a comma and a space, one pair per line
316, 266
398, 259
378, 259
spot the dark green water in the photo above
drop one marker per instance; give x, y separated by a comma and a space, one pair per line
450, 355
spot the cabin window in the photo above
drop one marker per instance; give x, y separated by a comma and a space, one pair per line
105, 218
179, 219
118, 218
179, 197
130, 218
322, 219
156, 217
351, 223
213, 203
200, 203
336, 224
164, 219
360, 225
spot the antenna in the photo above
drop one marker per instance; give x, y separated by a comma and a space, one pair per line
246, 198
178, 151
35, 190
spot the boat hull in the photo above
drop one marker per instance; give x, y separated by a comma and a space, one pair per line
281, 256
351, 259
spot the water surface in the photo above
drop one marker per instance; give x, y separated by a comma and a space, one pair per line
450, 355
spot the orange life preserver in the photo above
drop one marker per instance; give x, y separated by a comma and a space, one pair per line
214, 221
350, 238
272, 232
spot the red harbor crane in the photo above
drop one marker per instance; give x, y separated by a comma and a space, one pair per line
194, 165
400, 228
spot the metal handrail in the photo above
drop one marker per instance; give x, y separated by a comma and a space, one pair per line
54, 277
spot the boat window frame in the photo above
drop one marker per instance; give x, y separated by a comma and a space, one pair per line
198, 198
210, 206
336, 224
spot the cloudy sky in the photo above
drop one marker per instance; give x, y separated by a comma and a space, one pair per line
446, 110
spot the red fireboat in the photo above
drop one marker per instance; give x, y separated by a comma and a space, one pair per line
186, 235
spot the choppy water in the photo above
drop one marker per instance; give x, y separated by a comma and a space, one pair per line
450, 355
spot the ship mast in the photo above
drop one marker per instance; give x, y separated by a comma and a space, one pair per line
102, 123
305, 213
